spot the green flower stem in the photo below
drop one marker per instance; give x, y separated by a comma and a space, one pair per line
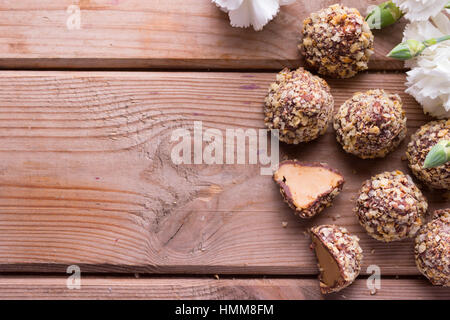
447, 6
438, 155
412, 48
433, 41
384, 15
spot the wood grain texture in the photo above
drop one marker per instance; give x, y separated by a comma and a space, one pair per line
86, 177
33, 287
160, 34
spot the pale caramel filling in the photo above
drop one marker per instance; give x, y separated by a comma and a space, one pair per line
306, 183
330, 274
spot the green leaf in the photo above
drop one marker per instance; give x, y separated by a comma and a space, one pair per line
438, 155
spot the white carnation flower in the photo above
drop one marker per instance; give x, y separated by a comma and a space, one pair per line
256, 13
436, 27
429, 79
420, 10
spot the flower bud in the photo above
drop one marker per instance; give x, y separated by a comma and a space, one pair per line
412, 48
438, 155
407, 50
384, 15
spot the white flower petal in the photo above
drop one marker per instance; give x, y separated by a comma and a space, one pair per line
429, 79
263, 12
420, 10
424, 30
241, 17
442, 23
228, 4
257, 13
286, 2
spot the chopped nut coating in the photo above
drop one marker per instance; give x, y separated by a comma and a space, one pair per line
308, 188
339, 257
390, 207
370, 124
421, 143
432, 250
337, 42
300, 105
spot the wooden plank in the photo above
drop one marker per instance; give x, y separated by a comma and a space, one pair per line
35, 287
157, 288
86, 177
159, 34
393, 289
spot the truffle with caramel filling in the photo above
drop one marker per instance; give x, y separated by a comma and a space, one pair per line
308, 187
339, 257
370, 124
391, 207
432, 250
337, 42
299, 105
421, 143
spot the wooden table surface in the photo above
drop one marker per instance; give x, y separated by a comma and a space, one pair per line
86, 176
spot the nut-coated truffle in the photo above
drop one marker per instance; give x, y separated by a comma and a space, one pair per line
421, 143
299, 105
391, 207
432, 250
308, 188
338, 255
370, 124
337, 42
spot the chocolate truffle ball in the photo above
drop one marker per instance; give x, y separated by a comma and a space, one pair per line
300, 105
421, 143
370, 124
338, 255
390, 207
432, 250
308, 188
337, 42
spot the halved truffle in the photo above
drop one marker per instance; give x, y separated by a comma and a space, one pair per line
308, 187
391, 207
370, 124
339, 257
337, 42
432, 250
299, 105
421, 143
